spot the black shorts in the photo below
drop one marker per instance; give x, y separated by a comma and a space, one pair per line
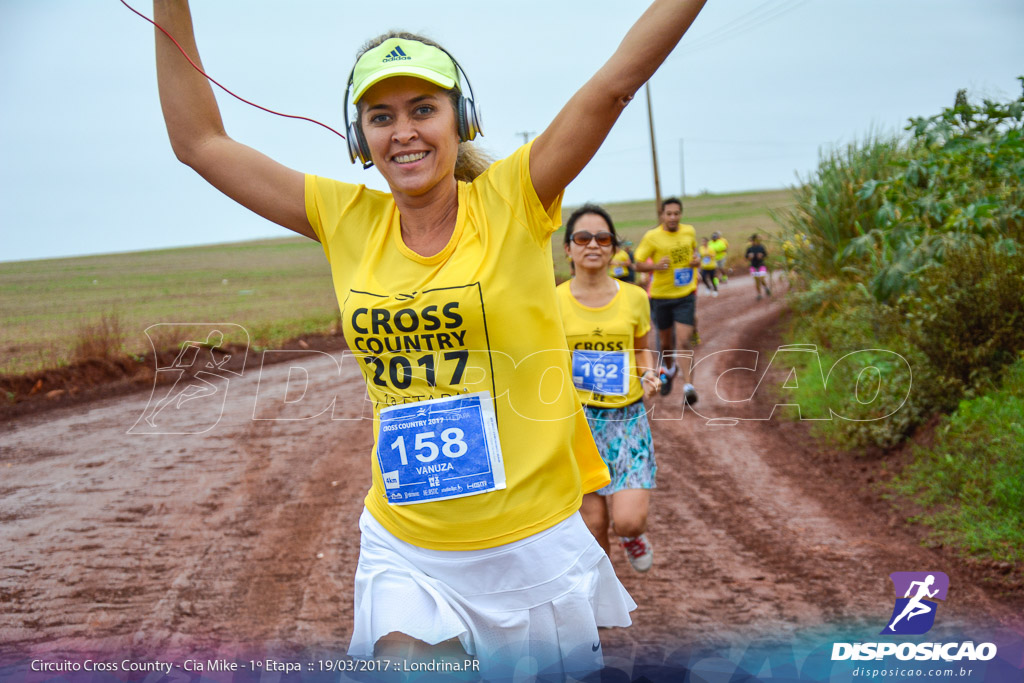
682, 310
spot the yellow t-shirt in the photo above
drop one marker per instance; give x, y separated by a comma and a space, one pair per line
721, 247
619, 267
680, 279
607, 334
708, 260
481, 315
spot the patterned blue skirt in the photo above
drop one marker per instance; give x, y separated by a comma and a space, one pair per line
623, 438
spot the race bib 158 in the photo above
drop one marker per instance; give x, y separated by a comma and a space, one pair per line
439, 449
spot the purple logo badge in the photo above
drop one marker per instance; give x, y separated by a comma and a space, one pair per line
916, 595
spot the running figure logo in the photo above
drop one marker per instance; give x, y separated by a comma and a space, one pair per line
914, 612
199, 378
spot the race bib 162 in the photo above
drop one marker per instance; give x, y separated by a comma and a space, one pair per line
602, 372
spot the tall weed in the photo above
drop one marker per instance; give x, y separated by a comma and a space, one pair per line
882, 211
830, 212
918, 245
102, 339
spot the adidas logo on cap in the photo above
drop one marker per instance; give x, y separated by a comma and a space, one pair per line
396, 55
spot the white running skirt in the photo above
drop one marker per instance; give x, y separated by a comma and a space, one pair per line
542, 597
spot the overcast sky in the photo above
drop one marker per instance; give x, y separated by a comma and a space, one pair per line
752, 94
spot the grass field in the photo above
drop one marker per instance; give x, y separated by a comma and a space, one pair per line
276, 289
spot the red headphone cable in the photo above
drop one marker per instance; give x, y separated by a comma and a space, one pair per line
212, 80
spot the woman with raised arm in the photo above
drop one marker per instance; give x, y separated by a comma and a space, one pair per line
471, 536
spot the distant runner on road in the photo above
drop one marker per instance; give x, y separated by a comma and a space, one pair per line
708, 267
673, 248
721, 247
621, 266
606, 325
756, 255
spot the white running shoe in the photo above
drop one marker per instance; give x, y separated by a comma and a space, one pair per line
638, 551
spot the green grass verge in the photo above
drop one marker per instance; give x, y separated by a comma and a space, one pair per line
971, 480
865, 373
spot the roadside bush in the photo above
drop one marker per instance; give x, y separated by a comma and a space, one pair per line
916, 247
883, 210
962, 184
967, 317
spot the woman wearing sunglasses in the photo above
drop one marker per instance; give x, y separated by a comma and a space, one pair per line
606, 324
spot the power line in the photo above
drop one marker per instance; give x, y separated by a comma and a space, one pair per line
754, 143
756, 18
760, 15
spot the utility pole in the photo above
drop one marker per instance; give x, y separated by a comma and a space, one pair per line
654, 154
527, 134
682, 169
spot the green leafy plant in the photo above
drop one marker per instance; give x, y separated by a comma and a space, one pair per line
961, 185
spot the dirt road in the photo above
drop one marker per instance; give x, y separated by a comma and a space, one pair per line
123, 536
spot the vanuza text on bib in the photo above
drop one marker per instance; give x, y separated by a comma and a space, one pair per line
429, 372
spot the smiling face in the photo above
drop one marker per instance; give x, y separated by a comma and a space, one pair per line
590, 256
409, 126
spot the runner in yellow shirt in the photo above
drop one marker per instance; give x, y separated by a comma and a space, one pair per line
708, 267
672, 248
606, 324
471, 540
621, 265
721, 247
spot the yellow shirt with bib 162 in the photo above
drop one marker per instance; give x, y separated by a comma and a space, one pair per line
601, 341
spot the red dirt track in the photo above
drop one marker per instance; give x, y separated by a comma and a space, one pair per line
243, 539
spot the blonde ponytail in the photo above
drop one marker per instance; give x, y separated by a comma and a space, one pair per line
471, 162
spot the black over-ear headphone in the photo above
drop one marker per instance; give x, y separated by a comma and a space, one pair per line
465, 110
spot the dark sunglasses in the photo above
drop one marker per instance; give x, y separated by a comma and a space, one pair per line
582, 238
